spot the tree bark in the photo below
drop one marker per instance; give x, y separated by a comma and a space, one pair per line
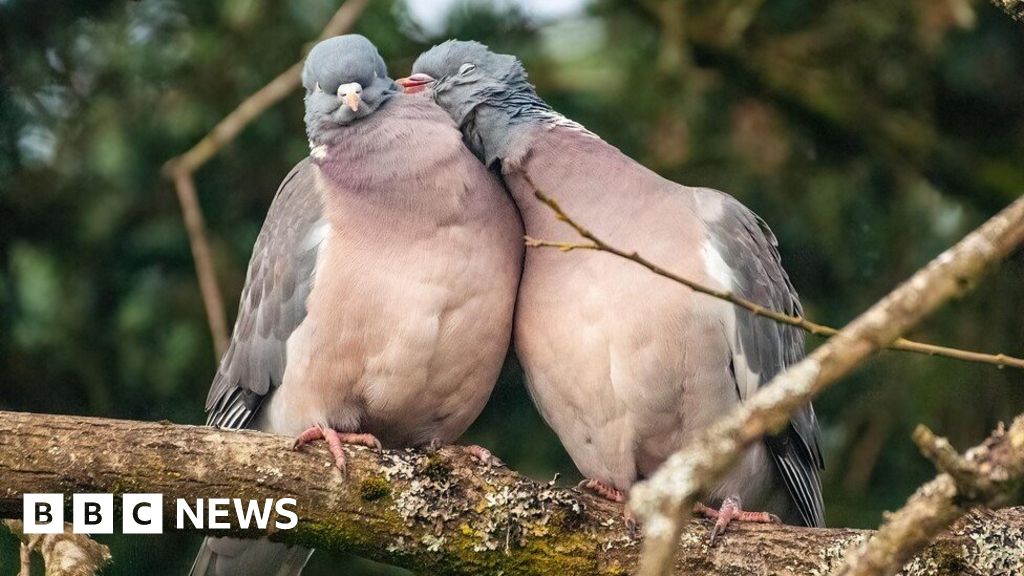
1015, 8
440, 513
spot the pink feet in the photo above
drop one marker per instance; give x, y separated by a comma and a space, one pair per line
479, 452
335, 440
729, 511
615, 495
484, 455
603, 490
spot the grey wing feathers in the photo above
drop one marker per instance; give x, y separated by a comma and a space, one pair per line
273, 301
767, 347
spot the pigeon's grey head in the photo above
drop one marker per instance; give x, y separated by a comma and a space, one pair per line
463, 75
345, 80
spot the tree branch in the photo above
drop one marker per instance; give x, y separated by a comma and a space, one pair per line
595, 243
989, 475
439, 513
1015, 8
667, 498
206, 272
63, 554
180, 169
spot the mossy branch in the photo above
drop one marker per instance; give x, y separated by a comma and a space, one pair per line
440, 513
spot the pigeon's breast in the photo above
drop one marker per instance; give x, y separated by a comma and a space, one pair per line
410, 316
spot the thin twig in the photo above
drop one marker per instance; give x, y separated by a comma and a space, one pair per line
206, 272
25, 556
597, 244
180, 169
945, 457
666, 499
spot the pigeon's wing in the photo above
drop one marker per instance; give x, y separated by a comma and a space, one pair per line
762, 348
273, 303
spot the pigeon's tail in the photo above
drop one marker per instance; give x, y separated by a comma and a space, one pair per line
237, 557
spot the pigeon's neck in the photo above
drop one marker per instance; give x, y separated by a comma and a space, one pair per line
497, 128
492, 133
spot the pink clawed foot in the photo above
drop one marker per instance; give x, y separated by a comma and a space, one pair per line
615, 495
729, 511
603, 490
335, 440
630, 520
484, 455
479, 452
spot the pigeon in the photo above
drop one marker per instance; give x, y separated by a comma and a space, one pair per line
626, 366
378, 304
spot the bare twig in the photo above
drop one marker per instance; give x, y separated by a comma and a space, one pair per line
24, 556
180, 169
989, 475
945, 457
64, 554
666, 499
206, 272
595, 243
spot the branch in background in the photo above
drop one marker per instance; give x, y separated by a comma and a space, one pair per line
206, 272
63, 554
596, 243
989, 475
666, 499
440, 513
1015, 8
180, 169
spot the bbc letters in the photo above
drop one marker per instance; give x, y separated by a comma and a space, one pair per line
144, 513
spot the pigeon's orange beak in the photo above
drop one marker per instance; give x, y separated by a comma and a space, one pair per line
415, 83
351, 95
352, 100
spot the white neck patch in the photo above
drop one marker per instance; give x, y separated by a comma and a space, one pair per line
317, 152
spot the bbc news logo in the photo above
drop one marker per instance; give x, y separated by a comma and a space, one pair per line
144, 513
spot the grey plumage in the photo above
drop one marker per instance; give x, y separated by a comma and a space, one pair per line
750, 249
273, 302
380, 292
627, 366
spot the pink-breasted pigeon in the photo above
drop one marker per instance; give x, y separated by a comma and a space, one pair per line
378, 303
627, 366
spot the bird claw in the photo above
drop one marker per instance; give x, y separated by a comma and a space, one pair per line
630, 520
362, 439
603, 490
335, 440
615, 495
731, 510
484, 456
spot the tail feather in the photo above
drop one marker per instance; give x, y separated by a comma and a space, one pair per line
238, 557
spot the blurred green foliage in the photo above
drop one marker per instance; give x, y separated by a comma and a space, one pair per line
870, 134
